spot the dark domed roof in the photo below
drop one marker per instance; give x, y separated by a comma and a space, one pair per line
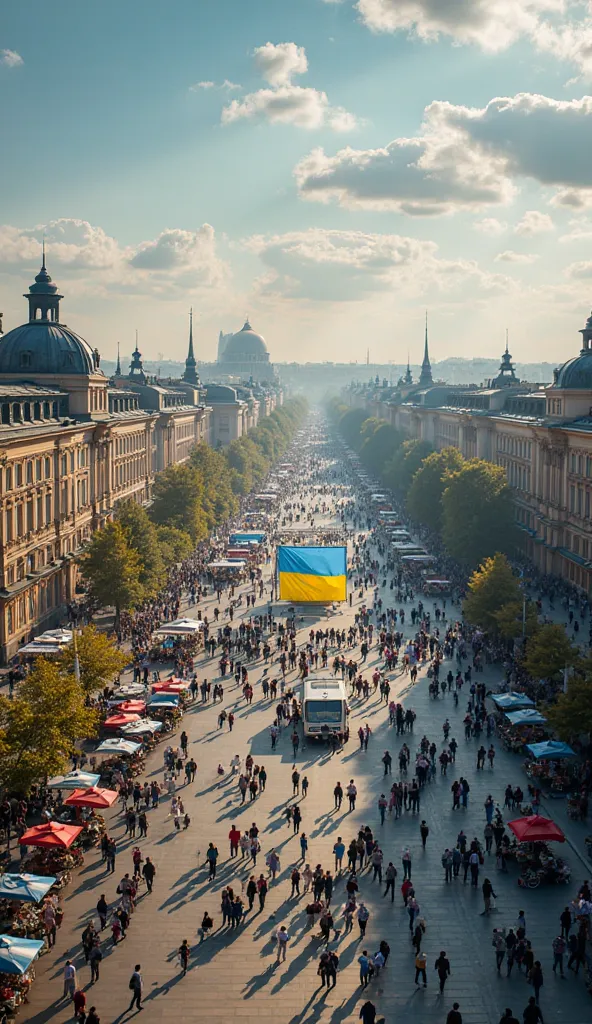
45, 347
246, 342
576, 373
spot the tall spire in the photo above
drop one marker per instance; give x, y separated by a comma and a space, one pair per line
425, 376
190, 376
118, 367
408, 379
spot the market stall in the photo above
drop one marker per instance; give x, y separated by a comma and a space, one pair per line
549, 765
512, 701
16, 969
54, 850
21, 906
74, 780
539, 864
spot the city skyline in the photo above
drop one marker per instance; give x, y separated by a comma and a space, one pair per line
330, 168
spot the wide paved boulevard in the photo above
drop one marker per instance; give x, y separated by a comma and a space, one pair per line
233, 973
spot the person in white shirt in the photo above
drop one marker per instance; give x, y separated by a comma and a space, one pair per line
70, 985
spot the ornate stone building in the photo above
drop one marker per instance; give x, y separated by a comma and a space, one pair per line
72, 444
244, 355
541, 435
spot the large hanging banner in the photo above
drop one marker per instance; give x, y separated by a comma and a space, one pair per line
312, 573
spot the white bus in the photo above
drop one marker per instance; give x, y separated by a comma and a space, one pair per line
324, 706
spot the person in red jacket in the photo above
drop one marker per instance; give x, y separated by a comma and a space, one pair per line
234, 837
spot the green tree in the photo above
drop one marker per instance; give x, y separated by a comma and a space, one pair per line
424, 499
477, 513
492, 587
571, 714
112, 568
39, 727
175, 545
379, 442
219, 501
404, 464
142, 537
549, 652
350, 426
178, 501
510, 622
99, 659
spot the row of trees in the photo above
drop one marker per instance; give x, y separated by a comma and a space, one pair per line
496, 603
467, 503
126, 562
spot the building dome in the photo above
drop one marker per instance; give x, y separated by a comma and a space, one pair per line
246, 344
576, 373
42, 346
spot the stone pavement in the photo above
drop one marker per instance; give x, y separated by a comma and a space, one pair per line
233, 974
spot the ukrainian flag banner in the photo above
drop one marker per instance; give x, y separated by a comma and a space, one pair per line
312, 573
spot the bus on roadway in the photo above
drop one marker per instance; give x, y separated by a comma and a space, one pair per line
324, 706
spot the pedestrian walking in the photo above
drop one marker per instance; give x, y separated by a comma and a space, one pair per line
535, 978
488, 895
136, 987
282, 938
424, 833
363, 916
70, 983
454, 1015
406, 860
559, 947
420, 969
364, 962
442, 966
532, 1012
390, 877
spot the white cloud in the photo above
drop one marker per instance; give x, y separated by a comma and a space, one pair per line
569, 41
579, 271
492, 24
330, 265
283, 102
534, 223
10, 58
227, 85
77, 248
490, 226
290, 104
279, 62
464, 157
509, 256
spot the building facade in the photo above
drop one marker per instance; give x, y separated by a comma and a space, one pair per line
74, 443
540, 435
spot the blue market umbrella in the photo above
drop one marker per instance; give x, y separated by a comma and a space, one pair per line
27, 888
551, 750
17, 954
512, 701
74, 780
526, 716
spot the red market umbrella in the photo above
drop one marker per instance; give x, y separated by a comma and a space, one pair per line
93, 797
116, 721
52, 834
170, 686
536, 829
132, 707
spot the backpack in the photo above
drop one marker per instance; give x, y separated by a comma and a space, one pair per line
132, 982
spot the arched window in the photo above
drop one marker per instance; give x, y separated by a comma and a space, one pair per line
25, 360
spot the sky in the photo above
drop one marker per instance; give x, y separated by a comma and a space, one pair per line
329, 168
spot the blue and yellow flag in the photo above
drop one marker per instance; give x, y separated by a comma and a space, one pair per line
312, 574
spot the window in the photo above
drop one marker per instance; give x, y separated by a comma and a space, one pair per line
573, 463
48, 508
47, 468
8, 479
40, 522
38, 469
64, 465
29, 472
25, 360
29, 516
572, 498
9, 622
9, 525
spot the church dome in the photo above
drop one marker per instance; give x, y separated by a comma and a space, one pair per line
576, 373
43, 346
246, 344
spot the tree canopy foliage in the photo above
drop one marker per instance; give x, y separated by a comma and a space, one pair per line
571, 714
492, 587
424, 498
40, 726
548, 652
404, 464
477, 513
99, 660
112, 568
